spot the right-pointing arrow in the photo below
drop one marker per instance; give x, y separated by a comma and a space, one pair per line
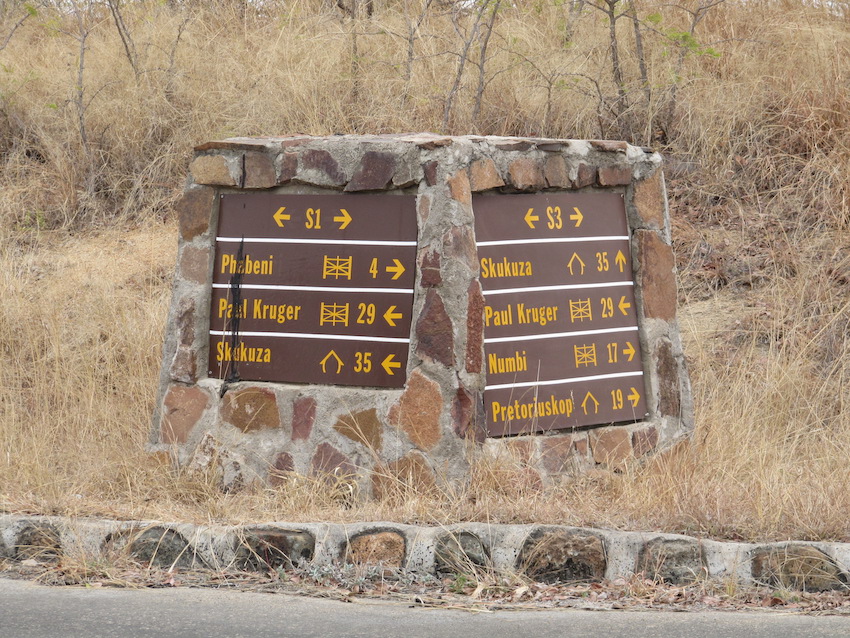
343, 219
398, 269
577, 216
634, 397
629, 350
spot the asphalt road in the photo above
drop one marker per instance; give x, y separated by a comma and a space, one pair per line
28, 610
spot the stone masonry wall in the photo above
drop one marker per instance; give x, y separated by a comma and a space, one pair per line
429, 432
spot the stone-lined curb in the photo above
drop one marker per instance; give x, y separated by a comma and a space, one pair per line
547, 553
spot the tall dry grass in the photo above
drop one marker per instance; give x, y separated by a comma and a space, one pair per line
751, 113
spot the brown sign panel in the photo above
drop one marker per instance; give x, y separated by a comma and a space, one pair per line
561, 334
369, 218
298, 359
325, 288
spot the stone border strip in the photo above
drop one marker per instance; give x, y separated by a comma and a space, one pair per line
547, 553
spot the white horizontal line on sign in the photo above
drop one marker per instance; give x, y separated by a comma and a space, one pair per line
598, 377
395, 291
300, 335
610, 284
282, 240
558, 335
551, 240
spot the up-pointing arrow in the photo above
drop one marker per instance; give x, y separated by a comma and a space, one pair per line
621, 260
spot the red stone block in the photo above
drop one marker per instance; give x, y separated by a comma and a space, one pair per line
330, 462
418, 410
322, 161
374, 173
474, 328
430, 169
251, 409
556, 172
483, 175
362, 427
526, 174
288, 167
558, 454
429, 269
193, 212
182, 408
303, 416
614, 176
467, 416
658, 279
644, 441
459, 187
586, 176
611, 447
434, 332
648, 200
259, 170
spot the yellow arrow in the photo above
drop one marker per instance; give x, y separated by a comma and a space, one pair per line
343, 220
388, 364
595, 403
530, 218
624, 305
398, 269
620, 259
577, 217
390, 316
279, 217
630, 351
634, 397
339, 362
570, 263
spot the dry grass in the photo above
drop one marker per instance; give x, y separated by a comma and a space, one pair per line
758, 148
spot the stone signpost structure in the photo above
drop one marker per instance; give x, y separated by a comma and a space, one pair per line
391, 306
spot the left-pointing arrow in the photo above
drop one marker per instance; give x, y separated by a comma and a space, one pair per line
398, 269
624, 305
279, 217
343, 219
388, 364
530, 218
390, 315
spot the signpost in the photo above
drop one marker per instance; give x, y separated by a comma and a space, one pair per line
326, 291
560, 327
